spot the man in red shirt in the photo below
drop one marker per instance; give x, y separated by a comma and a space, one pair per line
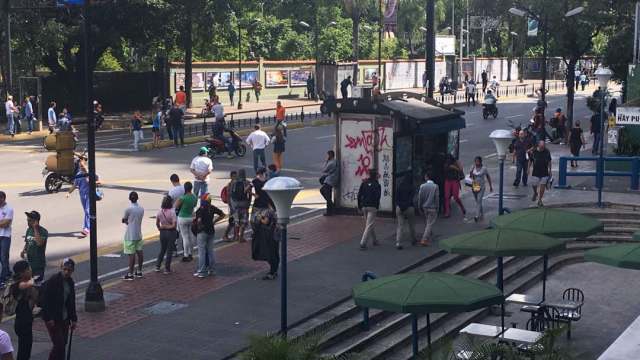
181, 99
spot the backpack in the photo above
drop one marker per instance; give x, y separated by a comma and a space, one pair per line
238, 192
9, 302
224, 194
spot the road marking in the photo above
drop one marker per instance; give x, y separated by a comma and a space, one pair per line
463, 141
325, 137
491, 155
513, 116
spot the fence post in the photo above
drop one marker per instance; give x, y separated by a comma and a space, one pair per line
302, 114
562, 173
635, 173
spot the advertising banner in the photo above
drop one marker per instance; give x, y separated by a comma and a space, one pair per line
276, 78
248, 78
299, 77
220, 79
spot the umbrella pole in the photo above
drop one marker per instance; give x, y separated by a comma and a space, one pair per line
429, 331
502, 315
414, 333
499, 271
545, 265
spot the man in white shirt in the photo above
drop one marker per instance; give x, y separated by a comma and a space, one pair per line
258, 140
51, 117
6, 218
218, 111
132, 247
10, 110
177, 190
201, 167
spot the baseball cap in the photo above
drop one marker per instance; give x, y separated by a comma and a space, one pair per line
204, 150
69, 263
558, 110
34, 215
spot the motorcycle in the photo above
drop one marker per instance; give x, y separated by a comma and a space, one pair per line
448, 86
489, 109
218, 147
54, 178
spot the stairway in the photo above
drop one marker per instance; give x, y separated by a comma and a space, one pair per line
389, 334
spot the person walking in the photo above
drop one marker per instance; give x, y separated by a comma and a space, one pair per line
521, 149
541, 164
576, 141
369, 203
264, 244
156, 129
136, 129
453, 172
258, 140
583, 80
485, 80
205, 220
10, 111
201, 167
240, 199
471, 93
186, 203
35, 245
478, 174
81, 182
596, 131
25, 294
52, 120
344, 86
6, 219
226, 199
181, 99
176, 123
257, 89
559, 122
405, 212
330, 179
231, 89
133, 236
311, 87
279, 139
28, 113
59, 308
166, 223
429, 203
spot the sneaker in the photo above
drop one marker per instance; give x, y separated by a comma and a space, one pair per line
157, 269
363, 247
399, 247
269, 277
202, 276
167, 272
540, 204
534, 197
138, 274
128, 277
185, 259
195, 274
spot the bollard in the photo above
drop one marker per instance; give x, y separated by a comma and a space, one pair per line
302, 115
562, 173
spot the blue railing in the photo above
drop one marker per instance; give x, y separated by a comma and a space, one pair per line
633, 174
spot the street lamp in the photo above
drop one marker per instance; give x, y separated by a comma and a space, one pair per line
240, 57
603, 75
282, 190
501, 139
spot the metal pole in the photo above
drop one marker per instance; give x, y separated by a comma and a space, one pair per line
283, 277
601, 141
430, 45
545, 265
7, 19
414, 335
239, 65
545, 46
501, 193
380, 31
94, 297
468, 31
499, 270
429, 331
460, 77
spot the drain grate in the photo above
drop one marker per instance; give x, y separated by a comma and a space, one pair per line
164, 307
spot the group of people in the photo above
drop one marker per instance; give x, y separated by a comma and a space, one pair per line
26, 294
15, 114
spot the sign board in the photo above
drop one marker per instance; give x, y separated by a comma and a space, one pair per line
628, 116
532, 27
445, 45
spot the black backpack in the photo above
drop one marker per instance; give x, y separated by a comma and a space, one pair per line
238, 192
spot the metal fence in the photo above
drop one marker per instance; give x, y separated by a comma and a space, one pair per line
633, 174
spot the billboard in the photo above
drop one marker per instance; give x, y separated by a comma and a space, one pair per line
299, 77
445, 45
532, 27
197, 81
220, 79
276, 78
248, 78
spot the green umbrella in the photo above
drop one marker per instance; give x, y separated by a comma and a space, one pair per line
636, 236
504, 242
425, 293
623, 256
550, 222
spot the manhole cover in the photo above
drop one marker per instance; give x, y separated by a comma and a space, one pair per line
163, 308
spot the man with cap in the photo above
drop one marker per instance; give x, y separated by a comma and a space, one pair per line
201, 167
35, 244
133, 236
59, 308
369, 203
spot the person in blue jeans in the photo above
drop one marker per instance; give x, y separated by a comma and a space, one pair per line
175, 120
6, 218
258, 140
521, 146
28, 113
205, 220
81, 182
10, 110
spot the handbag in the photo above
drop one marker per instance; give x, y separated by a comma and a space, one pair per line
475, 186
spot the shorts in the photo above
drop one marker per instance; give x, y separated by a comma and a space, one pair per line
155, 130
130, 247
537, 181
241, 215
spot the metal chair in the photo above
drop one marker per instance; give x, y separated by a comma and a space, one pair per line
575, 295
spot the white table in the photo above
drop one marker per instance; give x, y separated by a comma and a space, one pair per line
523, 299
520, 336
482, 330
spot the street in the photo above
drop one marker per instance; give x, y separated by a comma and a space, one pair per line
148, 173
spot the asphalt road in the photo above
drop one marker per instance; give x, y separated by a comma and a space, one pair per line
148, 173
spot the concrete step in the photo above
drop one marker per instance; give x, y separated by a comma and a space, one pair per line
578, 207
607, 239
608, 213
620, 229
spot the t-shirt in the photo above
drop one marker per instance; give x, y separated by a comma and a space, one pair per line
51, 115
8, 107
136, 124
202, 165
218, 111
188, 204
181, 98
35, 253
258, 140
5, 343
6, 212
134, 215
521, 148
541, 160
156, 120
175, 117
176, 193
166, 216
206, 214
576, 136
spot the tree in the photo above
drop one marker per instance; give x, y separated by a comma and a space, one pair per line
355, 9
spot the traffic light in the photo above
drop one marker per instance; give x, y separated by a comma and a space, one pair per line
63, 143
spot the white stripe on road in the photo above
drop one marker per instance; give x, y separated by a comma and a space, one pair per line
325, 137
463, 141
513, 116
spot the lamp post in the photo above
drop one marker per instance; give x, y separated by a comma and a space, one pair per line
603, 75
502, 140
282, 190
430, 46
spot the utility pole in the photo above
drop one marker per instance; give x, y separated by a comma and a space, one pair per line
468, 31
7, 22
188, 54
430, 45
545, 46
380, 31
460, 77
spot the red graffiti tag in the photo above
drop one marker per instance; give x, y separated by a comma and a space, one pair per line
364, 161
365, 140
